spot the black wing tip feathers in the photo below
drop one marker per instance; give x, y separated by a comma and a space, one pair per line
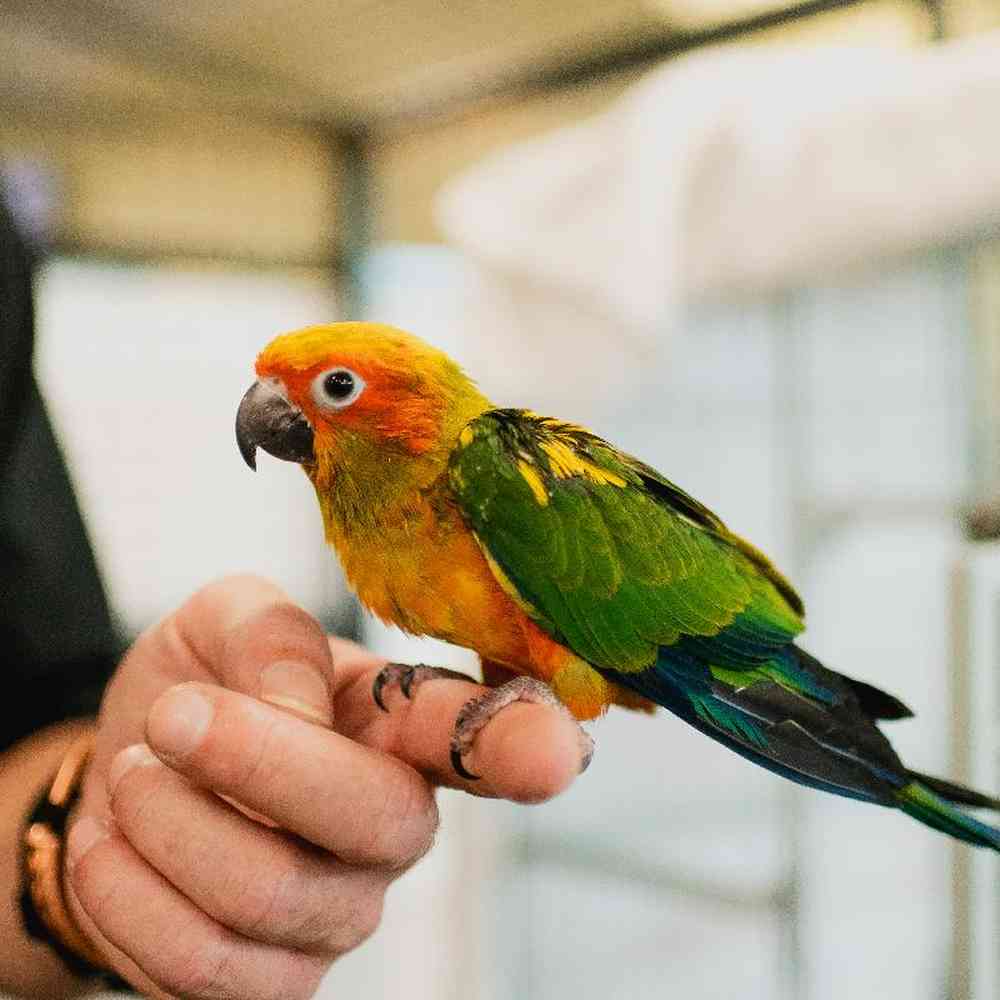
877, 703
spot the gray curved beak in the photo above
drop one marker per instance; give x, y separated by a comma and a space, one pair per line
267, 420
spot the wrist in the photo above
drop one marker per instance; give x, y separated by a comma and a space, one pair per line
44, 908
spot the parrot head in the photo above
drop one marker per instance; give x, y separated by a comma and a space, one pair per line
354, 399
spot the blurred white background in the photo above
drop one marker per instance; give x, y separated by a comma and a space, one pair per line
836, 402
143, 369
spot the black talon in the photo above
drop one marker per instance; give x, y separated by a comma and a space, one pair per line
409, 678
377, 687
406, 681
392, 673
460, 768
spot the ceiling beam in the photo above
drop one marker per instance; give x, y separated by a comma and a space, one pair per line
97, 25
588, 67
141, 254
150, 47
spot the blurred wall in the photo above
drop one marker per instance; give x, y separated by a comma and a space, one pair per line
197, 185
143, 369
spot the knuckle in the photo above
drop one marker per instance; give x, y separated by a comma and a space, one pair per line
348, 922
314, 929
309, 903
220, 972
203, 972
274, 905
404, 824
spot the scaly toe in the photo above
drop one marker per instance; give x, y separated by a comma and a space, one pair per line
475, 714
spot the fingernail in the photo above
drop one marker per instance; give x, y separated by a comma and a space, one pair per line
586, 750
136, 755
298, 688
178, 720
83, 836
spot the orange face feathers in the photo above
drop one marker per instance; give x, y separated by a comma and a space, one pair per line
366, 379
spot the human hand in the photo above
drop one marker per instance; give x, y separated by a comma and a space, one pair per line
239, 694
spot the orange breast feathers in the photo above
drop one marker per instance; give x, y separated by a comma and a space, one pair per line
429, 577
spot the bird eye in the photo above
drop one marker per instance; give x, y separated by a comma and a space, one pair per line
338, 388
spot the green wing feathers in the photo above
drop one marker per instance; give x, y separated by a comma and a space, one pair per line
615, 560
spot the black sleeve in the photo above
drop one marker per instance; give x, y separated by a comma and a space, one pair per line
57, 642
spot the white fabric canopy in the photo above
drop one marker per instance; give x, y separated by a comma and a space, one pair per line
732, 172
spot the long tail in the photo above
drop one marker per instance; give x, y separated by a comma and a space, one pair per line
816, 727
930, 800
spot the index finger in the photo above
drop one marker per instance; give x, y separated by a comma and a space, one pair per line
527, 753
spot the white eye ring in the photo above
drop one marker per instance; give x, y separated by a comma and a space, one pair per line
337, 388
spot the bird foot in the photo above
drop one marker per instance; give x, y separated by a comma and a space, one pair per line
409, 678
475, 714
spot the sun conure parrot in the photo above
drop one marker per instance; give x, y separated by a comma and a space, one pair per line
565, 562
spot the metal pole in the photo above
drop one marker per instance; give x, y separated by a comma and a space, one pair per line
791, 418
351, 147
